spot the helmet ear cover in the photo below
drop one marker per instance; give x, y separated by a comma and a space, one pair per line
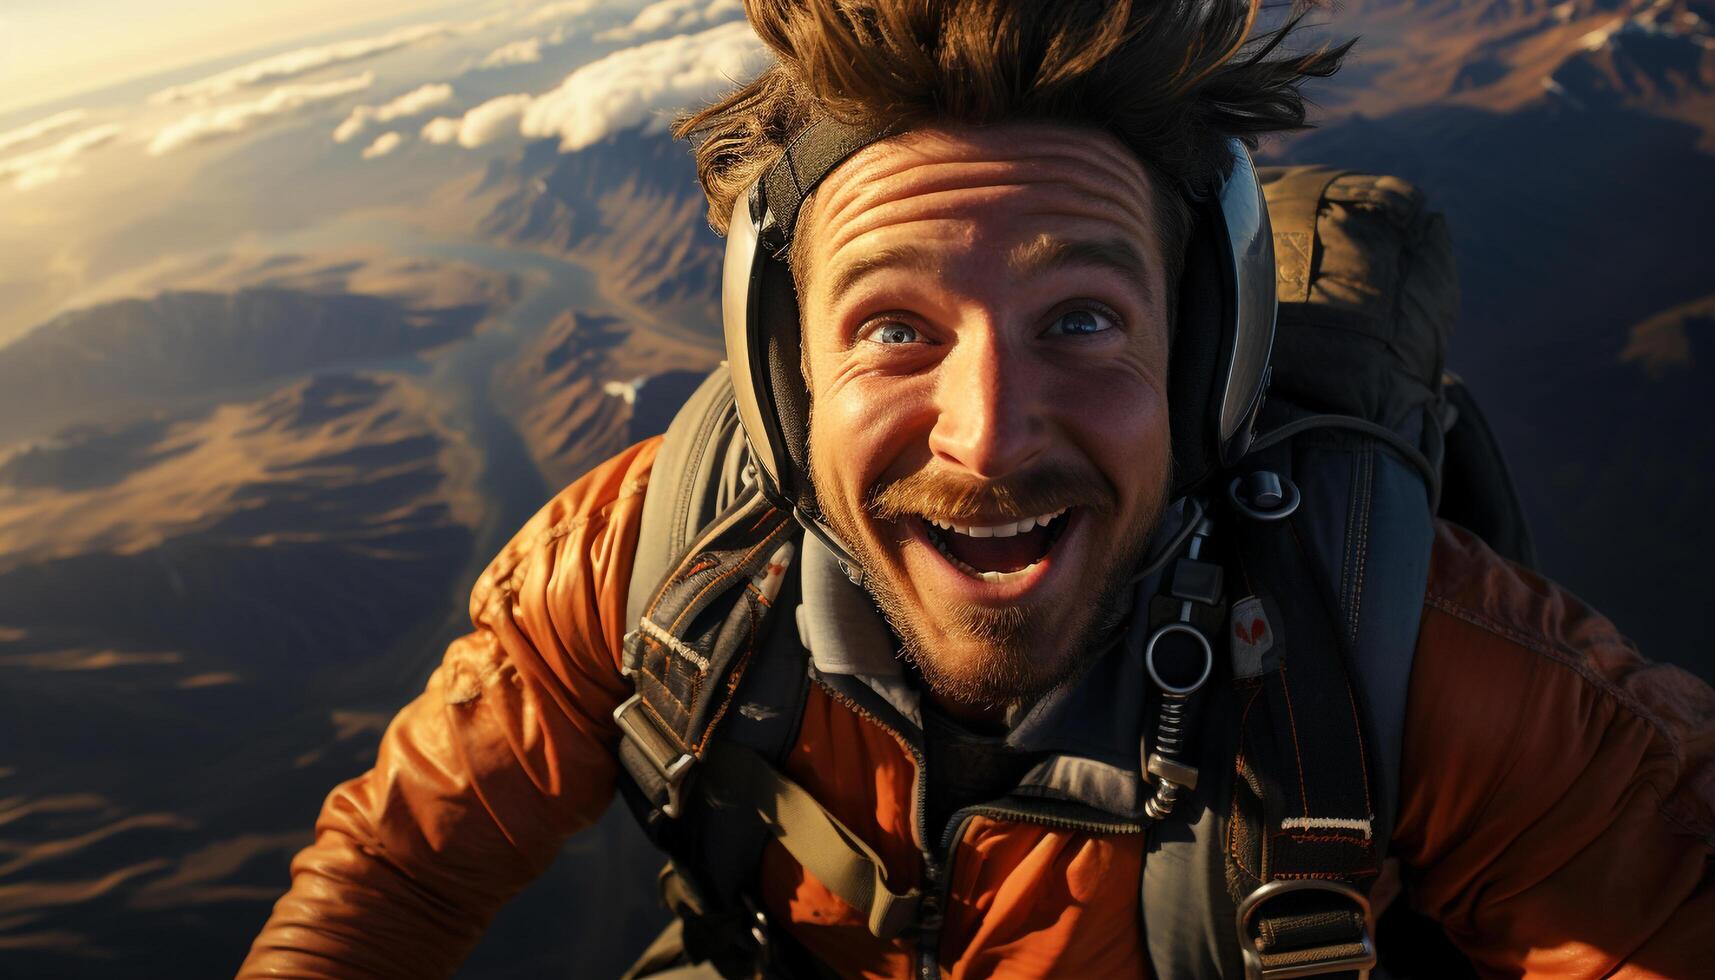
1217, 372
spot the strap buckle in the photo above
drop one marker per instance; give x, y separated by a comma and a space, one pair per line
1309, 937
658, 747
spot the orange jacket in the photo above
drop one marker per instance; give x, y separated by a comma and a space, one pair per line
1557, 811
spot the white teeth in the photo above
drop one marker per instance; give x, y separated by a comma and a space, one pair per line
998, 530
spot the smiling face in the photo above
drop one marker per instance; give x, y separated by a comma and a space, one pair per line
986, 335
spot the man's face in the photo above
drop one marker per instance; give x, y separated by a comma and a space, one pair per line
985, 333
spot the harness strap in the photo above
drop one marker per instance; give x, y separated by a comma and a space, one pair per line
691, 647
815, 838
1304, 849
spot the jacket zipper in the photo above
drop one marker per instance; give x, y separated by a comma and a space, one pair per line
938, 893
926, 967
938, 867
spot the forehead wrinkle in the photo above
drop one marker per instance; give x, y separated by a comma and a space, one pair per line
863, 178
953, 204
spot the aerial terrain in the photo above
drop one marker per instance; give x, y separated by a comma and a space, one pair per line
292, 339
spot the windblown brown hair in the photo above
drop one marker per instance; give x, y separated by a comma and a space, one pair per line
1171, 79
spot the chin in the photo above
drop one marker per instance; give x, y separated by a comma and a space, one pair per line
986, 655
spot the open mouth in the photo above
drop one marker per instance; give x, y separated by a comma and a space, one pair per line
997, 552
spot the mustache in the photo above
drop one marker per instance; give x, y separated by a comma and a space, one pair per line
960, 499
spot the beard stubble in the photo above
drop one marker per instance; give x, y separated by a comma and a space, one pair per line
1023, 650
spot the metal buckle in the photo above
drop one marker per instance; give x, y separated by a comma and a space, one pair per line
1362, 962
658, 747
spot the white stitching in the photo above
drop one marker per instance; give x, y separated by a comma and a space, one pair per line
1327, 823
673, 643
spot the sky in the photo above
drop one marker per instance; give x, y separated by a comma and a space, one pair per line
60, 48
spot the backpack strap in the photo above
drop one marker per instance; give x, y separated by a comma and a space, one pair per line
699, 472
1266, 871
1303, 846
691, 644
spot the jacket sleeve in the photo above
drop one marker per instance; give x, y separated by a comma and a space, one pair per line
1557, 811
480, 779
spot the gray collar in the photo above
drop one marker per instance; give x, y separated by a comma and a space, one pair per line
845, 634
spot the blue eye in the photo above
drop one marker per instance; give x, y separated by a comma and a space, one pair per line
1080, 323
896, 333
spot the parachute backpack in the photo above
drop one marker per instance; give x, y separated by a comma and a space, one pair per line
1326, 518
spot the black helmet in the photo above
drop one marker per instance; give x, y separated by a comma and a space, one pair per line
1217, 372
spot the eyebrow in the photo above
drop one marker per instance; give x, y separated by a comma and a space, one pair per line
913, 257
1044, 253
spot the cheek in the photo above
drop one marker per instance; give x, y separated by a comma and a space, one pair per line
866, 429
1120, 421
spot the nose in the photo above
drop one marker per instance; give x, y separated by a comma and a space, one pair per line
990, 421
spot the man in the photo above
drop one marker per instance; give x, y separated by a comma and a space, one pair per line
987, 295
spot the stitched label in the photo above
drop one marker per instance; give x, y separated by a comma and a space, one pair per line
1252, 639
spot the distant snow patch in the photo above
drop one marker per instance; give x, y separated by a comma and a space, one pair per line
1597, 39
625, 391
1558, 90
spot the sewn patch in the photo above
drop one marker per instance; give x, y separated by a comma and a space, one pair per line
770, 577
1327, 823
1252, 638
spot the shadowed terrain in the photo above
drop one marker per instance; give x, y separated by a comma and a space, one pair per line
243, 494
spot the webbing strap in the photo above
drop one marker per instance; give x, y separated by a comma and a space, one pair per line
812, 155
815, 838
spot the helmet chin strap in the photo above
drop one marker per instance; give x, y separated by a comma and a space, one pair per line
848, 564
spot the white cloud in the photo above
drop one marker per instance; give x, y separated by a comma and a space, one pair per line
41, 127
440, 130
564, 10
494, 119
644, 85
640, 86
384, 144
525, 52
50, 163
239, 116
293, 63
411, 103
677, 16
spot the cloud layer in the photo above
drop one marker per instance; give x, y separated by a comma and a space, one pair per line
50, 163
486, 123
240, 116
525, 52
416, 101
640, 86
303, 60
384, 144
40, 128
676, 16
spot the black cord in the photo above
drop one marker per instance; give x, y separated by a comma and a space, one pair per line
1410, 453
1172, 547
